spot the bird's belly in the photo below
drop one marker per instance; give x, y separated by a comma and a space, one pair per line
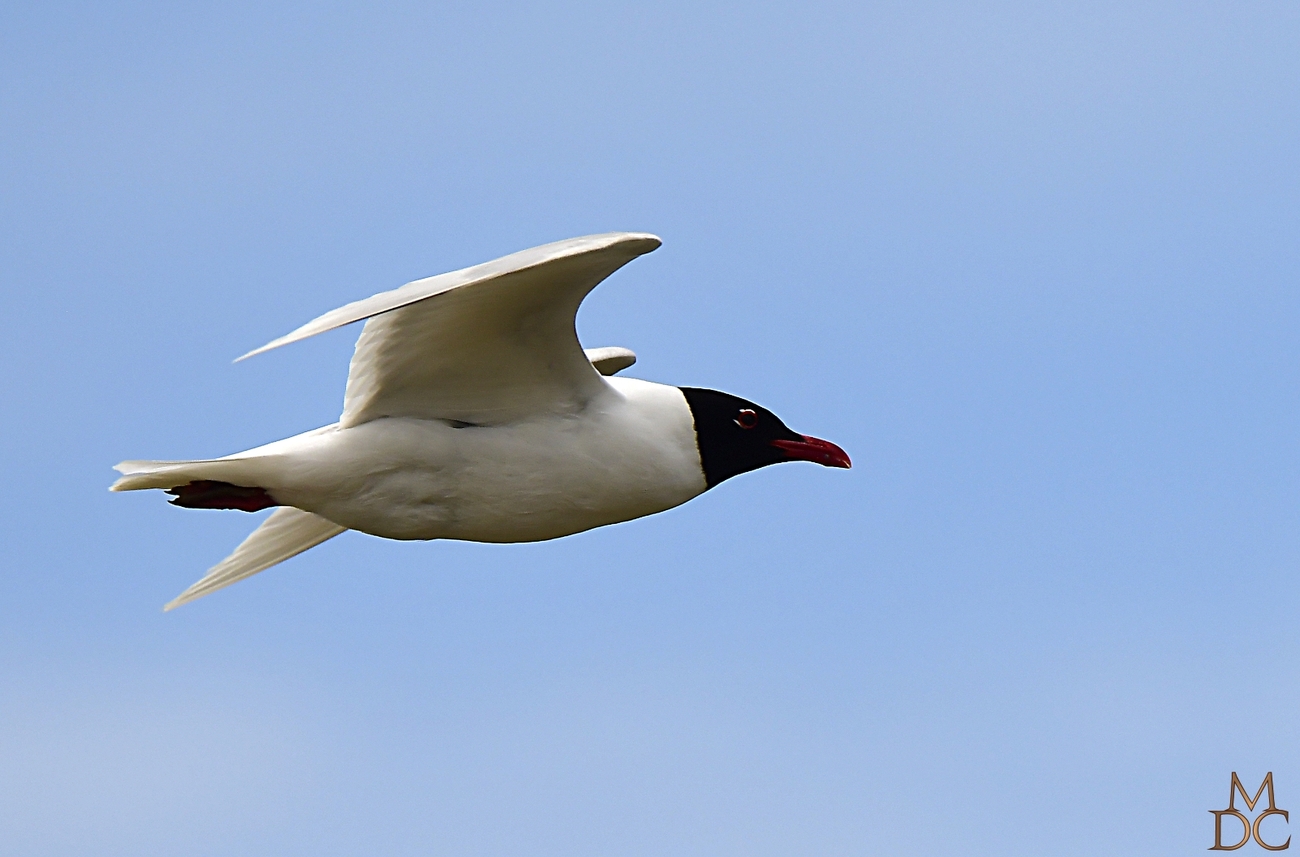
427, 504
522, 511
416, 479
412, 503
392, 478
424, 503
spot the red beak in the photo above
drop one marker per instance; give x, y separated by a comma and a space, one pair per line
815, 450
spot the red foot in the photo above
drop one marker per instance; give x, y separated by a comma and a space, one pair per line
207, 494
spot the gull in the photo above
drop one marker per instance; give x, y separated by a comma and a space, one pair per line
472, 412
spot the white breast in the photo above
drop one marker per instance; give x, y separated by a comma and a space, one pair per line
628, 454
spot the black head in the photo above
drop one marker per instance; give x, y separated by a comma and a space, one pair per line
736, 436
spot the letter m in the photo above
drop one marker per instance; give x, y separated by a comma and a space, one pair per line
1250, 802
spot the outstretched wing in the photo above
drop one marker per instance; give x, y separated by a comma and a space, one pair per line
286, 533
483, 345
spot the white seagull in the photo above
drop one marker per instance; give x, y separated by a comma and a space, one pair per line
472, 412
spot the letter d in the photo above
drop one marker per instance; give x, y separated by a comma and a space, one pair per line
1218, 830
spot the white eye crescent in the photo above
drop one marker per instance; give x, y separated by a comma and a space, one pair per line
747, 418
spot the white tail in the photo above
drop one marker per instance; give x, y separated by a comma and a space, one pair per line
139, 475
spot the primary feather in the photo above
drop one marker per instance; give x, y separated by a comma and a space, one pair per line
286, 533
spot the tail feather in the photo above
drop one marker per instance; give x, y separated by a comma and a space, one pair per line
286, 533
140, 475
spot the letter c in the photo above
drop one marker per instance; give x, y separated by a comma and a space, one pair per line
1246, 830
1260, 839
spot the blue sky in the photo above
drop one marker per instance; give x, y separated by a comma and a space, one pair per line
1033, 265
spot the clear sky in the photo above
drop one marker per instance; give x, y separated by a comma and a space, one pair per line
1033, 265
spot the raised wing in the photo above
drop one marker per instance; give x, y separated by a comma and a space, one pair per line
488, 344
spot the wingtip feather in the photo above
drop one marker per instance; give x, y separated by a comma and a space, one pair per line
191, 594
275, 343
194, 593
202, 587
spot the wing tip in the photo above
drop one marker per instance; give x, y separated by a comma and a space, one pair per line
275, 343
642, 242
184, 598
194, 593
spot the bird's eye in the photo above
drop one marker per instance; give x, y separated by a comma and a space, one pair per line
746, 419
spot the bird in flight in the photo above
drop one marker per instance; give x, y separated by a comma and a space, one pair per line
472, 412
